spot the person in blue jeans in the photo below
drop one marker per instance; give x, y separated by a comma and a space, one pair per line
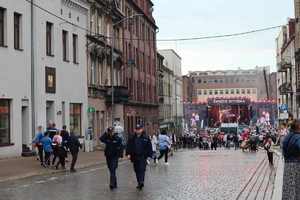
164, 145
47, 146
37, 142
113, 151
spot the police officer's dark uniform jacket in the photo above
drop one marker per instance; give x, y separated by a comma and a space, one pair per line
139, 149
113, 150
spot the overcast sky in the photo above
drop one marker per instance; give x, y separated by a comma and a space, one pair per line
195, 18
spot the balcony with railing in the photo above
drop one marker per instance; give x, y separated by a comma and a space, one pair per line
284, 66
121, 94
285, 88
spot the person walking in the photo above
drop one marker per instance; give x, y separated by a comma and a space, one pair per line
164, 145
214, 142
291, 154
236, 141
74, 146
65, 135
52, 130
47, 146
138, 149
38, 143
154, 143
56, 141
268, 147
65, 138
113, 151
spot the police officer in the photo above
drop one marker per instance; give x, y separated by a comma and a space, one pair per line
139, 148
112, 153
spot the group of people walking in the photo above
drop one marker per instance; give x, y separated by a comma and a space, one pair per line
139, 149
53, 143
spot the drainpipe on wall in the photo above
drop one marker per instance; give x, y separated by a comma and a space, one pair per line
32, 70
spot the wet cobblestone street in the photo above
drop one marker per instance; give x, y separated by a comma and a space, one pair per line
215, 175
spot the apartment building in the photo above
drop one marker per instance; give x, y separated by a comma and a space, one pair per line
43, 69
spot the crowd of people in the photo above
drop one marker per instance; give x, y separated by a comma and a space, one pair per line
53, 146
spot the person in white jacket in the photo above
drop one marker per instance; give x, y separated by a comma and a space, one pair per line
154, 143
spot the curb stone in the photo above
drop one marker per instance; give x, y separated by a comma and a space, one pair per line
49, 172
277, 190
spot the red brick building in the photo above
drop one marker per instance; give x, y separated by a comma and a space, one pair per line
139, 70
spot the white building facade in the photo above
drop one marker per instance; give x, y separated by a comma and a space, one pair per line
61, 64
173, 62
57, 91
15, 76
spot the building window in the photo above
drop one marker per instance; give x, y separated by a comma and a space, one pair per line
232, 91
216, 92
205, 92
93, 74
75, 118
50, 79
2, 26
199, 81
49, 34
204, 81
4, 122
210, 92
248, 91
226, 91
216, 81
238, 91
17, 30
221, 92
65, 43
199, 92
243, 91
137, 26
75, 48
254, 91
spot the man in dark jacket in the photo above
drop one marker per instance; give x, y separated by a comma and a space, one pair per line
139, 148
74, 146
112, 153
65, 135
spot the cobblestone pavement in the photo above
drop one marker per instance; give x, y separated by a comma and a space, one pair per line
191, 175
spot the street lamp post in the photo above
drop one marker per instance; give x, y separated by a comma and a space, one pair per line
112, 61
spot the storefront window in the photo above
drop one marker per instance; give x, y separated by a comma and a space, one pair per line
75, 118
4, 122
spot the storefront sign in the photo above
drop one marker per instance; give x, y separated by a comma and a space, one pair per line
91, 110
283, 116
228, 101
229, 125
283, 107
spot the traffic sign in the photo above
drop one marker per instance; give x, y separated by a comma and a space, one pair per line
283, 107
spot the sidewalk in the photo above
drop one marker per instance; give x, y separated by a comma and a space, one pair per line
277, 195
23, 167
